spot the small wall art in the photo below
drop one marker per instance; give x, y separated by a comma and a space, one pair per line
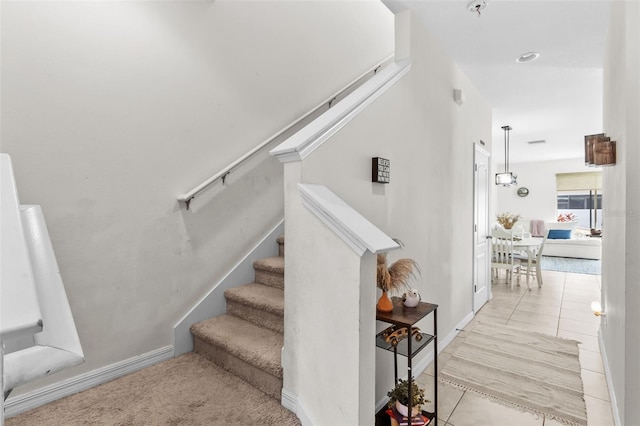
599, 150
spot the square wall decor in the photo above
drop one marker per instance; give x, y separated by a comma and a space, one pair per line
599, 150
380, 170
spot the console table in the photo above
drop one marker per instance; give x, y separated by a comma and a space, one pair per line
410, 346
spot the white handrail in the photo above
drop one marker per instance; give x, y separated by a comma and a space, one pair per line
346, 222
311, 137
283, 133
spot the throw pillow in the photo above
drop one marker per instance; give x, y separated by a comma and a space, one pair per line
559, 234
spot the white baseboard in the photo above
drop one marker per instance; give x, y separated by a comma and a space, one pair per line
607, 376
294, 404
449, 337
30, 400
288, 400
422, 365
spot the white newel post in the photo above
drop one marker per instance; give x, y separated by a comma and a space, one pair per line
330, 298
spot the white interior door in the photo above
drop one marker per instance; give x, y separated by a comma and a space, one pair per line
481, 245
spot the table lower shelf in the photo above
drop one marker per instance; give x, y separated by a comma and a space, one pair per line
420, 340
383, 419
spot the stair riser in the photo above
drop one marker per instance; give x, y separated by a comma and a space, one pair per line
258, 378
270, 278
259, 317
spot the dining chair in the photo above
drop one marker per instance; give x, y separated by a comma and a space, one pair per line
533, 265
503, 256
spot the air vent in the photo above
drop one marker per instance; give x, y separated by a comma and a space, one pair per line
538, 141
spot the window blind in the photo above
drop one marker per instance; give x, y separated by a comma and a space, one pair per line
581, 181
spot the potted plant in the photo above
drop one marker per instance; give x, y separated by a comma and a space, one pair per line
399, 397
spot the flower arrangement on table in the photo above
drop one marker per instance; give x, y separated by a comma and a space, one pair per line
394, 278
507, 220
567, 217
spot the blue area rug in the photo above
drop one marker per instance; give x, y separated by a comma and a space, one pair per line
568, 264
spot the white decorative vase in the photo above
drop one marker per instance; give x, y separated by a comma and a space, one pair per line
404, 410
411, 298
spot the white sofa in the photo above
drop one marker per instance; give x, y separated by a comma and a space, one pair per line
579, 245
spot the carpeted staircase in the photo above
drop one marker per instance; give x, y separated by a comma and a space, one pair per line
190, 389
247, 341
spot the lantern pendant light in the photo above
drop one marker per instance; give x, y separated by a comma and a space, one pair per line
507, 178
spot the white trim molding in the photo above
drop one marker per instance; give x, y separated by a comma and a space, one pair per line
295, 404
312, 136
20, 403
457, 329
348, 224
607, 375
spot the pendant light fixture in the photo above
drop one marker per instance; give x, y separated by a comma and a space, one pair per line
507, 178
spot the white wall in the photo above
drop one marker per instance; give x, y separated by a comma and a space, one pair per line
620, 245
112, 109
429, 203
540, 178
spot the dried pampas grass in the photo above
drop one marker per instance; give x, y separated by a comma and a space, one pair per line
396, 277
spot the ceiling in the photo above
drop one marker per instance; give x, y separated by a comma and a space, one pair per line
556, 98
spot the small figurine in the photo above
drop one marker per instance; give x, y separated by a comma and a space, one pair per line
411, 298
397, 335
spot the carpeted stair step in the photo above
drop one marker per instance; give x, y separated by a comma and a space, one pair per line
280, 241
250, 352
261, 304
270, 271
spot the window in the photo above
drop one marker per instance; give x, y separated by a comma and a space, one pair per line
586, 205
580, 194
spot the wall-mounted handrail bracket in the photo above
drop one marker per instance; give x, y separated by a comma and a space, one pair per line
187, 202
224, 177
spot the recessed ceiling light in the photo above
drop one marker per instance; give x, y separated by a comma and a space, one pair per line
527, 57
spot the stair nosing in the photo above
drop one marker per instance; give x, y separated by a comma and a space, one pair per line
232, 295
262, 266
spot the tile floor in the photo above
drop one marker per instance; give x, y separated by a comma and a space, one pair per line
560, 308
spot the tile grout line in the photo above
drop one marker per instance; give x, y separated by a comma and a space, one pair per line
564, 285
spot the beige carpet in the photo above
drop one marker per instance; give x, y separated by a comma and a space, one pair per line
187, 390
532, 371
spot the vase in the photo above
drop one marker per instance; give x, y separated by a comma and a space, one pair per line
384, 303
404, 410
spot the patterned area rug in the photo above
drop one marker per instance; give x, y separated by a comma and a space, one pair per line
568, 264
530, 371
